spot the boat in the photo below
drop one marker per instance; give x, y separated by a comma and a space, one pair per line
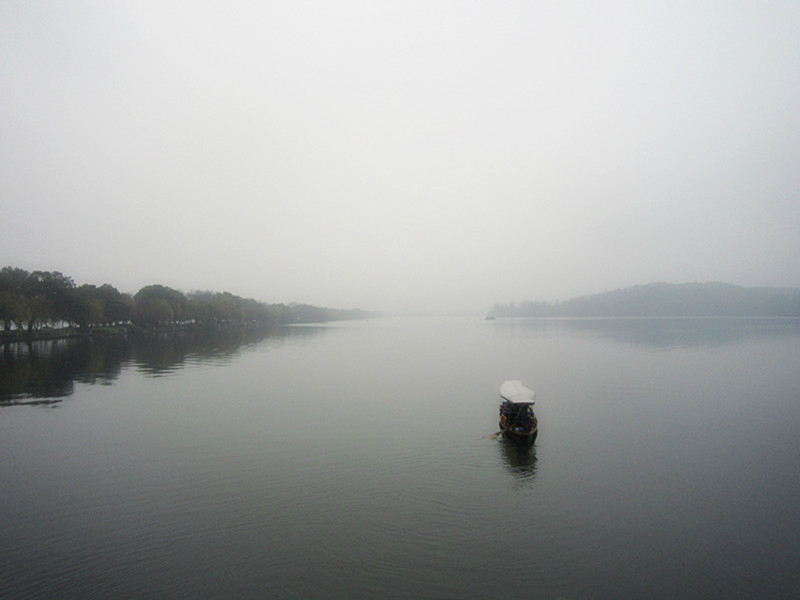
517, 420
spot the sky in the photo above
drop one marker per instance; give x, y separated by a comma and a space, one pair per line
401, 156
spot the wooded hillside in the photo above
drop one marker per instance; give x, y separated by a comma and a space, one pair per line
667, 300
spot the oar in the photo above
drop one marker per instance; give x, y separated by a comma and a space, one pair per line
494, 435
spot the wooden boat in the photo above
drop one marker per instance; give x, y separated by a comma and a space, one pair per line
517, 420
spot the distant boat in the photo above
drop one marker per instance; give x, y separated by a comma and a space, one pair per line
517, 420
490, 317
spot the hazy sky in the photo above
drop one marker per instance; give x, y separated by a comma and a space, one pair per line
401, 155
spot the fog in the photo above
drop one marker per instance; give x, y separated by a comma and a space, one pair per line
401, 156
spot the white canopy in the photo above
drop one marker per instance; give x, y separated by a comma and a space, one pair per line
514, 390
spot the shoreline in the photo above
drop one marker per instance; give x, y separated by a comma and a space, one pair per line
53, 334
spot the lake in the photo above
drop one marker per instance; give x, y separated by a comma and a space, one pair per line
352, 460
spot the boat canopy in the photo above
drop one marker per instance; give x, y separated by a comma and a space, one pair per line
514, 390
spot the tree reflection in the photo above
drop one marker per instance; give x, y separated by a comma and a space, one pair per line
45, 372
40, 372
657, 332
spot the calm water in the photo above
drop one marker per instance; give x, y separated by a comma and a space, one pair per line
351, 461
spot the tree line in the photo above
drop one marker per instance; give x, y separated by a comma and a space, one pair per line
30, 301
665, 299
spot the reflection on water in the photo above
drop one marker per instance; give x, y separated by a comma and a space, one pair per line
43, 373
519, 460
664, 333
165, 353
349, 461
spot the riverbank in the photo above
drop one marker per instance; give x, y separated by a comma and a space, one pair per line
58, 333
44, 334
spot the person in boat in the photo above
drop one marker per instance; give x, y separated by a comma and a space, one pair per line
518, 418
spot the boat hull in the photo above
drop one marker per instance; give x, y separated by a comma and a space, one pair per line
520, 437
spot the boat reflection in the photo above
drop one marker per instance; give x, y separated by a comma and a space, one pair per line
519, 460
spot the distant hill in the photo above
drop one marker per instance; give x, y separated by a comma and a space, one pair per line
667, 300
